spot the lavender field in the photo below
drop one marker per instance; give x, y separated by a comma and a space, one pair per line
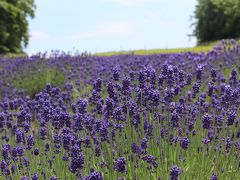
164, 116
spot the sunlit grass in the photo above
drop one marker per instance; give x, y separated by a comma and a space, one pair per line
31, 82
206, 47
197, 49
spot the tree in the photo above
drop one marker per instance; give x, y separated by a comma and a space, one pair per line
232, 13
230, 7
14, 24
217, 19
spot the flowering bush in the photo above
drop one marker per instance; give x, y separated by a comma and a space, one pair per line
166, 116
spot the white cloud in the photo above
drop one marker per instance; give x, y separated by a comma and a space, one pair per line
131, 2
38, 35
111, 29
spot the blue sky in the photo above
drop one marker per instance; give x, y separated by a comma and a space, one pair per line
106, 25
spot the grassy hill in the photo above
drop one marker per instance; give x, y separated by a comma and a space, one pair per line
201, 48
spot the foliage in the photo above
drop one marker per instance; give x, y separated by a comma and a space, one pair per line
217, 19
164, 116
230, 7
32, 82
14, 24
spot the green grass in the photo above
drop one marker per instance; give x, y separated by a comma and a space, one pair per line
157, 51
32, 82
204, 47
14, 55
201, 48
198, 164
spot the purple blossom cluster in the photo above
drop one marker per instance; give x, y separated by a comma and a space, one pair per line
126, 116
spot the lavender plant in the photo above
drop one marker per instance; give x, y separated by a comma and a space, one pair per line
165, 116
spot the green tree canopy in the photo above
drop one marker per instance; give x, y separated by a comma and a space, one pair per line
217, 19
14, 24
230, 7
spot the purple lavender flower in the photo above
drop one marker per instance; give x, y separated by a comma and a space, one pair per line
155, 97
104, 132
109, 107
30, 141
160, 80
210, 134
164, 69
184, 143
6, 152
214, 177
56, 139
116, 74
19, 136
94, 176
120, 164
199, 72
75, 150
170, 76
3, 166
118, 114
135, 120
47, 147
73, 107
34, 176
43, 132
26, 162
228, 144
76, 163
66, 140
206, 121
82, 105
98, 85
230, 118
97, 150
175, 120
110, 89
219, 120
2, 120
210, 89
144, 143
151, 160
205, 141
24, 178
20, 150
126, 86
136, 149
53, 178
189, 79
195, 88
13, 168
36, 152
48, 87
174, 172
142, 79
148, 129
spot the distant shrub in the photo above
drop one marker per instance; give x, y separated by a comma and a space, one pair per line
32, 81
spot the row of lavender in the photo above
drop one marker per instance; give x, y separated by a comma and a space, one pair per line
169, 116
